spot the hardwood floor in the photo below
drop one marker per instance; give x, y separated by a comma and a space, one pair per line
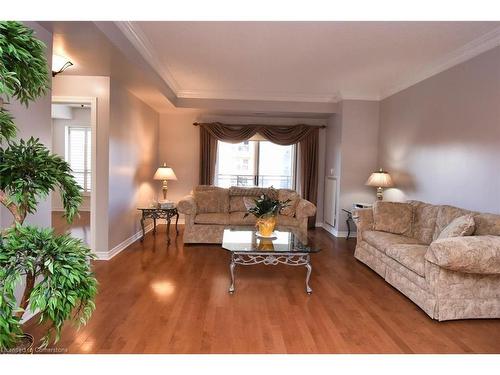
159, 299
80, 228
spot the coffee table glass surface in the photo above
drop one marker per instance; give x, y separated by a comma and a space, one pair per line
285, 247
241, 239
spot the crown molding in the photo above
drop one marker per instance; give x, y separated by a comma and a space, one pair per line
256, 95
472, 49
142, 44
353, 96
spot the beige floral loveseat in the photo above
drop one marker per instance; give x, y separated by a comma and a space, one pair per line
210, 209
413, 247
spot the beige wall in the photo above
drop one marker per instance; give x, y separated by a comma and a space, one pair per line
351, 154
79, 117
440, 138
34, 121
179, 147
133, 159
97, 87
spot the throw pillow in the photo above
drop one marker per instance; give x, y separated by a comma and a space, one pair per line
393, 217
285, 194
460, 227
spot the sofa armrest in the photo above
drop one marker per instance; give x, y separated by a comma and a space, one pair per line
305, 209
471, 254
363, 217
187, 205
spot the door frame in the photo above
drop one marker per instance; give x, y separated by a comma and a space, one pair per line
92, 101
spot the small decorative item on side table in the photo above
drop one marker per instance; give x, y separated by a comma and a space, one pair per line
159, 213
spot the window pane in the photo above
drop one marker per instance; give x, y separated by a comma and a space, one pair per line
77, 149
275, 165
78, 155
235, 164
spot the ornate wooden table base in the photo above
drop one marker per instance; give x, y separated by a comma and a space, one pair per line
159, 213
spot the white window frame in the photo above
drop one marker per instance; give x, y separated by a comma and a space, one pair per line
87, 170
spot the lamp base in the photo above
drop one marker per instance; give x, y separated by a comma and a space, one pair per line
380, 195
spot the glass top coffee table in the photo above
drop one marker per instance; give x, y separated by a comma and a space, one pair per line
248, 249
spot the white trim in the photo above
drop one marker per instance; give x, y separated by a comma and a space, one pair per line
335, 232
142, 44
61, 209
473, 48
256, 95
107, 255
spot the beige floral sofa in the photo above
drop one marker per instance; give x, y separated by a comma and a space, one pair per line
413, 247
210, 209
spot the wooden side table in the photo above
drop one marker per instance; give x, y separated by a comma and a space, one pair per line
159, 213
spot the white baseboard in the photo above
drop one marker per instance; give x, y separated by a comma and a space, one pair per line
61, 209
334, 231
107, 255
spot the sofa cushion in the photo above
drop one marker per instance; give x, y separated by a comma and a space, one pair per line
412, 256
238, 193
459, 227
211, 199
446, 214
424, 221
487, 224
237, 218
472, 254
212, 218
383, 240
393, 217
293, 196
237, 203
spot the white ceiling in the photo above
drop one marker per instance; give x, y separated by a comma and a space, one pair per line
304, 61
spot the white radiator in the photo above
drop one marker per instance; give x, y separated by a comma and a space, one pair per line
330, 207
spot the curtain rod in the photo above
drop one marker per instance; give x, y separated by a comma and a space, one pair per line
312, 126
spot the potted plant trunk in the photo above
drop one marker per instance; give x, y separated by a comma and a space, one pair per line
54, 269
265, 209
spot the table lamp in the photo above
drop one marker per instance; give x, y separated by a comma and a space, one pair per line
164, 174
380, 179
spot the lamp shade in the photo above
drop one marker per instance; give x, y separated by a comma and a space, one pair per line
380, 178
165, 173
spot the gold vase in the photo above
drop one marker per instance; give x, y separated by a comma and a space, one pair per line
266, 225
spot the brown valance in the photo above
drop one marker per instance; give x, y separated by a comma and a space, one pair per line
279, 134
306, 136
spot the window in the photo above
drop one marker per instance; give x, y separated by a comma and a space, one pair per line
255, 163
78, 155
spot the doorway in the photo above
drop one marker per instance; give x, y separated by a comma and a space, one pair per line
74, 123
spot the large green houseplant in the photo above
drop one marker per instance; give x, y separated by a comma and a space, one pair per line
59, 283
